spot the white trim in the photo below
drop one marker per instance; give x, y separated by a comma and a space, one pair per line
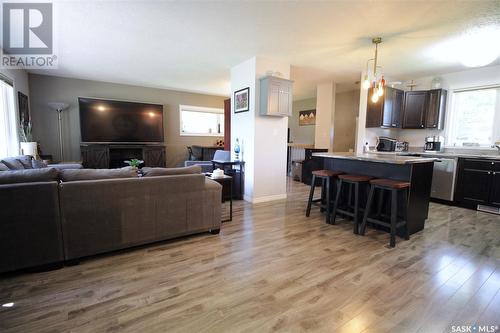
265, 198
221, 135
194, 108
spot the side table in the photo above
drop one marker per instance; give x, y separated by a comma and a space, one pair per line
227, 190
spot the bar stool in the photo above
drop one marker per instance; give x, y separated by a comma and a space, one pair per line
394, 187
353, 181
326, 177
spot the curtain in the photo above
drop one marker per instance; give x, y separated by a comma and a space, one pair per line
9, 143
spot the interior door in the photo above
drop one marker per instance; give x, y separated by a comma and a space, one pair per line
227, 124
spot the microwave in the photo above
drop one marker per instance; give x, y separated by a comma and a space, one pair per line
386, 144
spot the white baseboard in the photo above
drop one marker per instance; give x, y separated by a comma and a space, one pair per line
265, 199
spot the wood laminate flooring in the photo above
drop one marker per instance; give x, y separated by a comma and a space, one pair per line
273, 269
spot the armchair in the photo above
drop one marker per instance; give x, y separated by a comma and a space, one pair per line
206, 166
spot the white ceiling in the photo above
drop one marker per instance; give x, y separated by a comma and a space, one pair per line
191, 46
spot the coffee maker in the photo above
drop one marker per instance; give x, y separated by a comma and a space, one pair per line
434, 143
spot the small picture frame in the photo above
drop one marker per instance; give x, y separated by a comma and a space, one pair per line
242, 100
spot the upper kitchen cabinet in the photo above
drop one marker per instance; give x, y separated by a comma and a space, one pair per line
387, 111
424, 109
275, 96
414, 109
434, 117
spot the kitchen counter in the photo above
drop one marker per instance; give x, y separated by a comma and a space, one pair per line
415, 170
392, 158
438, 154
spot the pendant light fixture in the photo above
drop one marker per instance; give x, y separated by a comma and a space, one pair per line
375, 83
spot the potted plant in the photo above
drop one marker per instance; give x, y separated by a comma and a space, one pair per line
135, 164
28, 146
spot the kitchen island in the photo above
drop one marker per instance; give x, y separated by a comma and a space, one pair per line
415, 170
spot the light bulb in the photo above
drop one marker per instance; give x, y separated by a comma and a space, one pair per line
366, 82
374, 97
380, 91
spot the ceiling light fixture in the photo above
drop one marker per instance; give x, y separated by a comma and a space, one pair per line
479, 46
376, 83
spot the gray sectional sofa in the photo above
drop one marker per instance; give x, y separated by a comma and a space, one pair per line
49, 216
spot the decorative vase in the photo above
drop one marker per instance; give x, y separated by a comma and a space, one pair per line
29, 148
237, 150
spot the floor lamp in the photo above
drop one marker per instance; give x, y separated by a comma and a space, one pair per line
59, 108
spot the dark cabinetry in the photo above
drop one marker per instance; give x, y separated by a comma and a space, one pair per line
436, 106
154, 156
104, 156
478, 183
414, 109
410, 109
387, 111
95, 156
424, 109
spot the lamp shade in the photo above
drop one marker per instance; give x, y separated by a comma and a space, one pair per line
58, 106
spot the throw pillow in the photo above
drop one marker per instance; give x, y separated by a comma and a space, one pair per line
29, 176
153, 172
3, 167
68, 175
13, 163
36, 164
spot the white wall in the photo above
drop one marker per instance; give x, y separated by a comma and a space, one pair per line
263, 138
475, 77
243, 123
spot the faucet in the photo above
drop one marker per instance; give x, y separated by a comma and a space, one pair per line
497, 144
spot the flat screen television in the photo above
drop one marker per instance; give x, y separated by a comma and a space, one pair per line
110, 121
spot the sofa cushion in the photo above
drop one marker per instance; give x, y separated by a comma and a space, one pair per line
3, 167
29, 176
18, 162
13, 163
152, 172
68, 175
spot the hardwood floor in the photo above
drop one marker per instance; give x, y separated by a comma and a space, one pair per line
273, 269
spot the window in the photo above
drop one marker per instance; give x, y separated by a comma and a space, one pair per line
475, 118
201, 121
9, 144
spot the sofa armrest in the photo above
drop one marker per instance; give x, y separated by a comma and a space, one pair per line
30, 226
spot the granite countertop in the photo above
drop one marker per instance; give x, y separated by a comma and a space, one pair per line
381, 158
438, 154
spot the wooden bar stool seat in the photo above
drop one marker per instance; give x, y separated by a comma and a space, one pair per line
355, 178
326, 173
389, 183
354, 182
395, 187
324, 202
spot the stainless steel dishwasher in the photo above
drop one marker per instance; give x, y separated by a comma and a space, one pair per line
443, 178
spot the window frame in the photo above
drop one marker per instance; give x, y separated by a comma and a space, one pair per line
201, 109
451, 118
